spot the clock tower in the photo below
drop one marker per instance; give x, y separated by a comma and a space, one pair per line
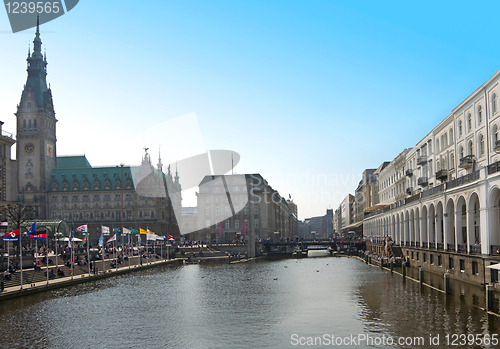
36, 133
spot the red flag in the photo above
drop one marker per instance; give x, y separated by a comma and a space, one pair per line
12, 236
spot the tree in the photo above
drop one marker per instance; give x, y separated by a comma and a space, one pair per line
17, 214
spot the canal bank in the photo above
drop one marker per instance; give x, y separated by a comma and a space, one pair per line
481, 296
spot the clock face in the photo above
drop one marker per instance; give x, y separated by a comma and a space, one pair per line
29, 148
50, 150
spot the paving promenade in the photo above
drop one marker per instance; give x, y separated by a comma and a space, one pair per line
36, 280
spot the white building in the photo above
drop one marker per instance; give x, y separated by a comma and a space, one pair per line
452, 181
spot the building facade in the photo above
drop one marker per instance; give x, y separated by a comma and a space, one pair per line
451, 209
67, 187
8, 168
230, 205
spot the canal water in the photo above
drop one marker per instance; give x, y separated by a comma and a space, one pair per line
261, 304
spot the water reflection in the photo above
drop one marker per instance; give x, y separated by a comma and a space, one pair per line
258, 304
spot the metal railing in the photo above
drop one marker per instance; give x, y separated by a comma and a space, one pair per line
471, 177
495, 250
451, 247
422, 160
413, 198
409, 173
440, 246
462, 248
423, 181
442, 174
475, 249
432, 245
432, 191
493, 168
467, 161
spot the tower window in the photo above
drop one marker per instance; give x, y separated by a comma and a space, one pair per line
30, 123
24, 123
34, 122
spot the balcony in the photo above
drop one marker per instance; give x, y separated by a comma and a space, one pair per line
467, 161
497, 146
475, 249
422, 160
409, 173
423, 181
409, 190
442, 175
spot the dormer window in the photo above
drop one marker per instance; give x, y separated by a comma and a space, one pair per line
480, 114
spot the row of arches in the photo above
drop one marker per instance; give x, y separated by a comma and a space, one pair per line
456, 224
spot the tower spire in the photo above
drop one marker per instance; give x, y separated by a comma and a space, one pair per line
160, 165
37, 42
176, 174
37, 72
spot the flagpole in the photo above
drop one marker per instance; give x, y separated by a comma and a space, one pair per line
72, 250
114, 250
21, 256
102, 250
88, 251
57, 246
47, 256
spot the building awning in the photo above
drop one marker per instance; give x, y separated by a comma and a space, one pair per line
494, 266
376, 207
353, 226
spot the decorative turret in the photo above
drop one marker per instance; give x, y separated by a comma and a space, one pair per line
176, 174
160, 165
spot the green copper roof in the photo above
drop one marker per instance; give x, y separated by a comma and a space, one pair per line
97, 178
74, 173
79, 161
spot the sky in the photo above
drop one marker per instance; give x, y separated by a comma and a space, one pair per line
308, 93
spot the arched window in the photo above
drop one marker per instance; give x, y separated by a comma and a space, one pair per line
461, 152
481, 145
438, 165
451, 135
452, 160
480, 114
470, 148
459, 128
495, 135
494, 103
469, 122
437, 144
445, 140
